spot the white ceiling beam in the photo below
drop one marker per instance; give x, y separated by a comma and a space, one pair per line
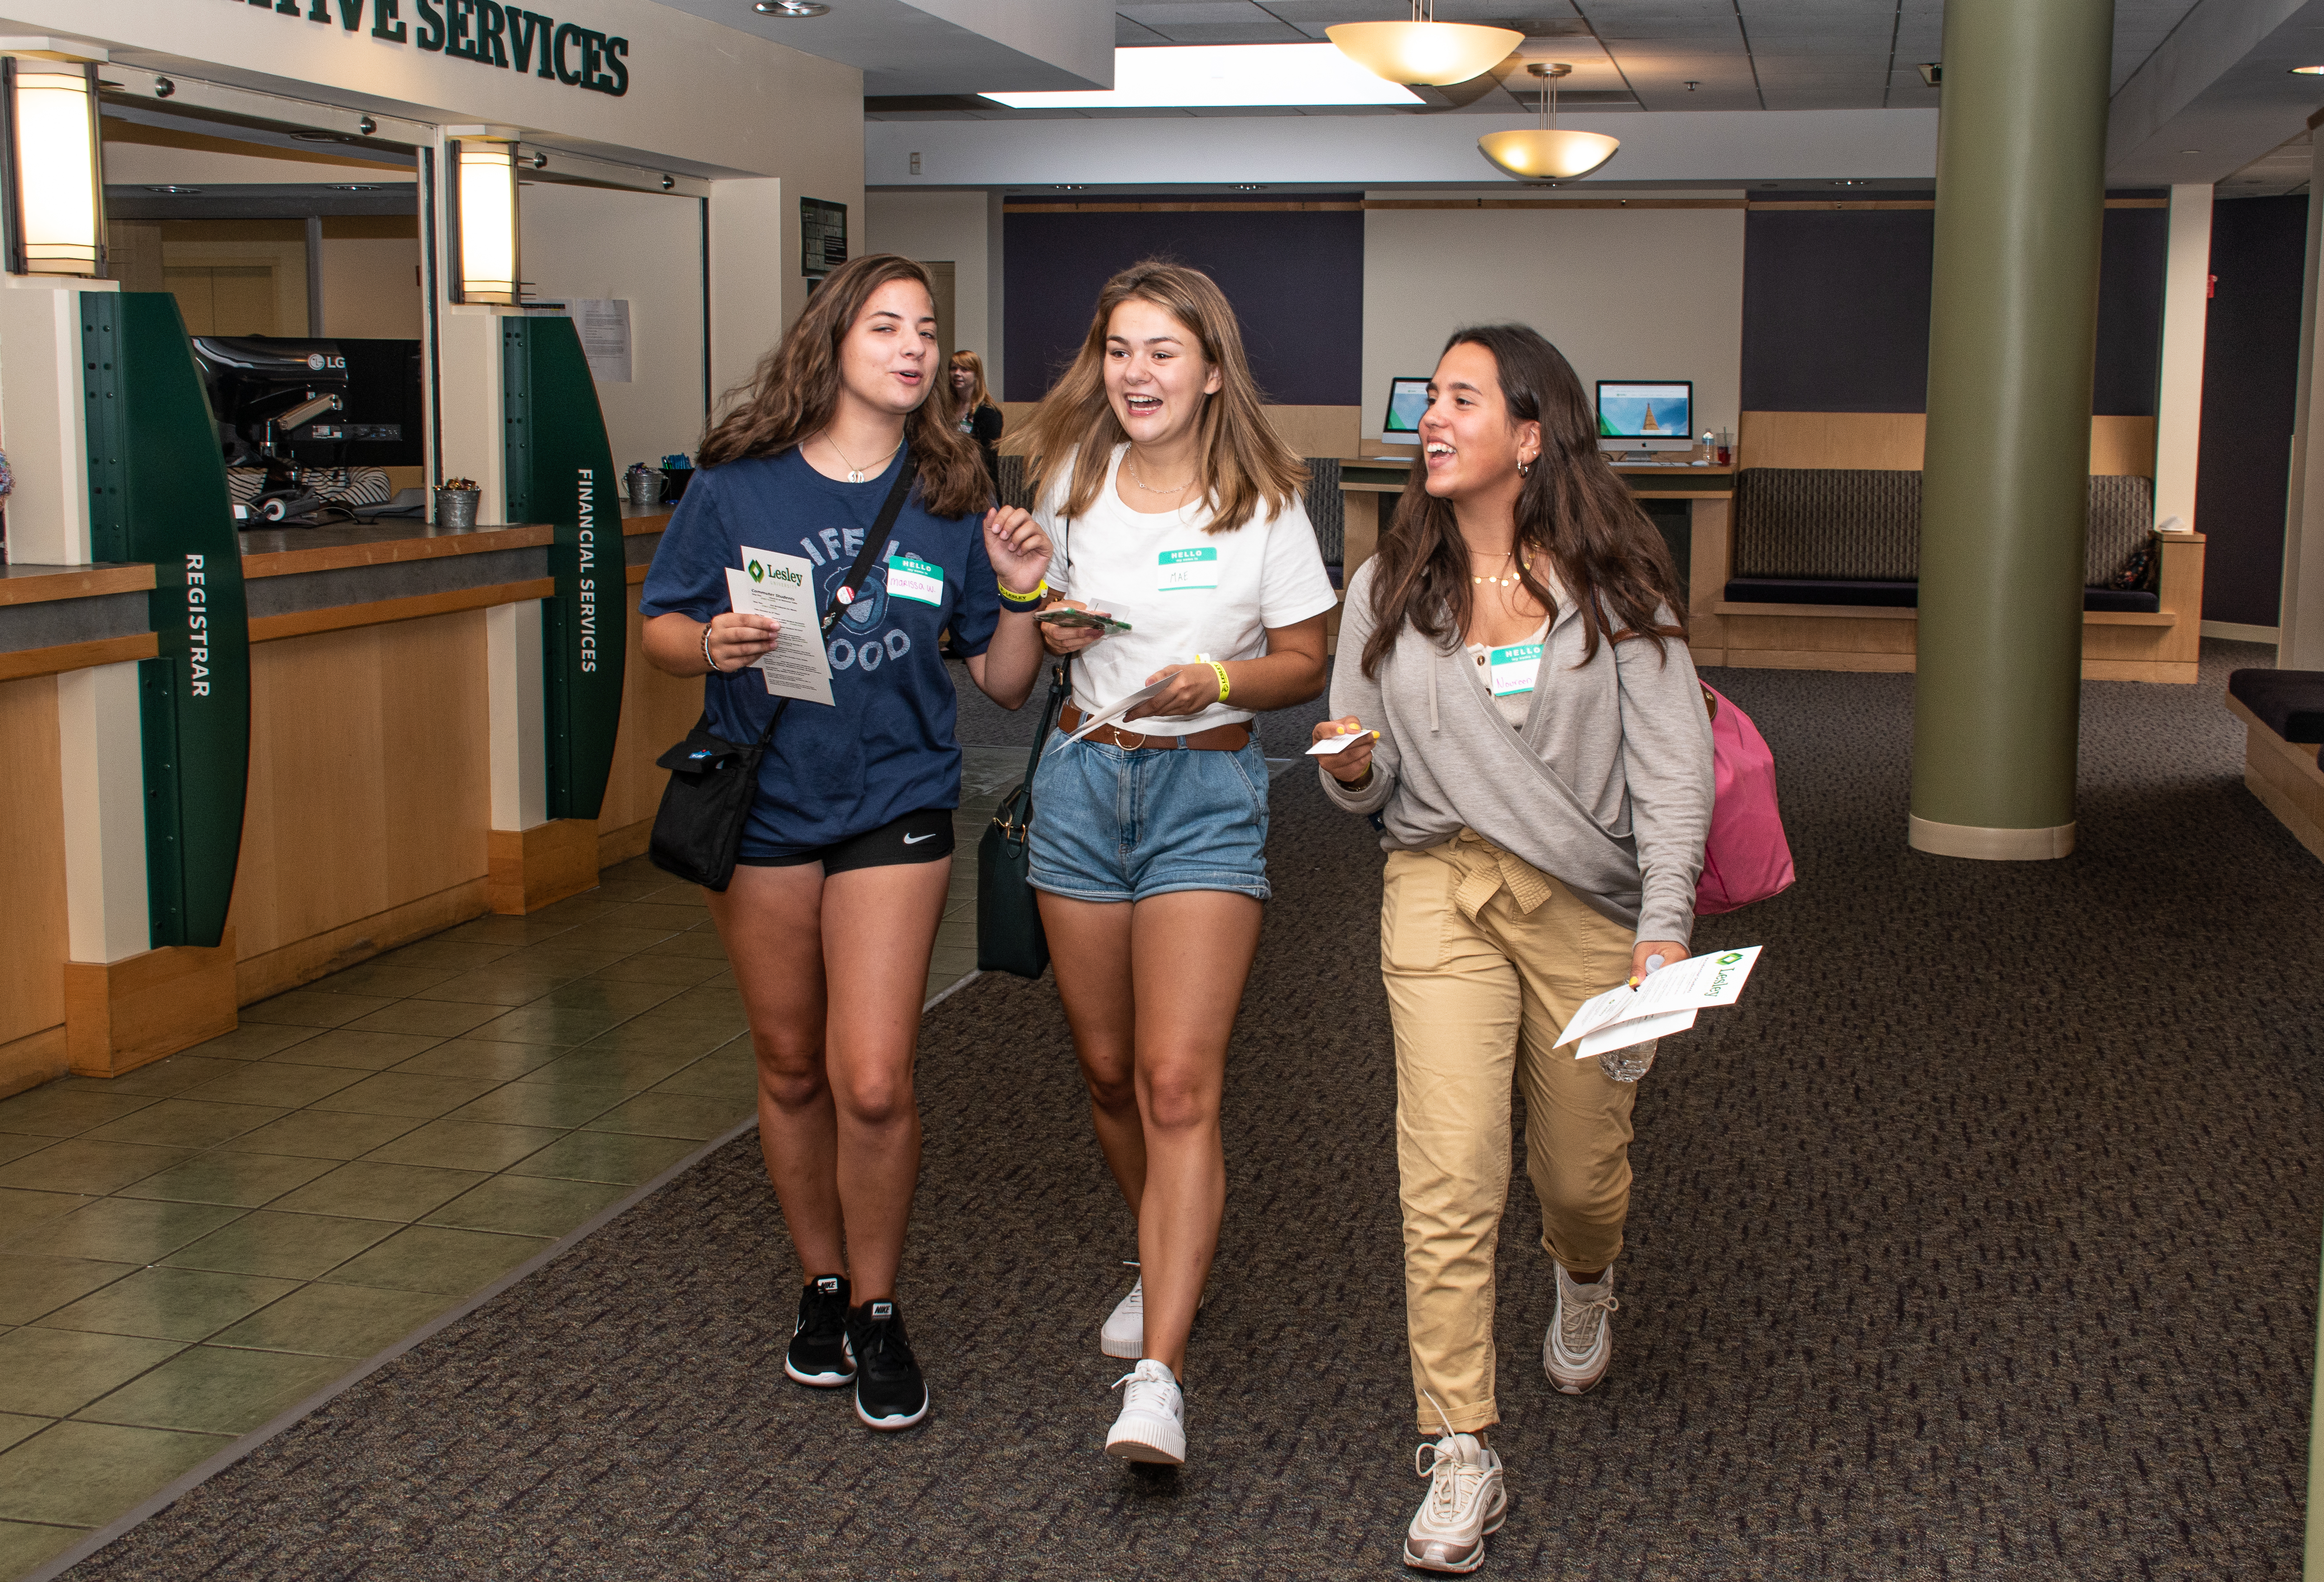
1716, 147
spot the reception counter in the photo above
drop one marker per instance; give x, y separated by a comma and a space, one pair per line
382, 696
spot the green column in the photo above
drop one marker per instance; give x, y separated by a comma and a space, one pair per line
2021, 190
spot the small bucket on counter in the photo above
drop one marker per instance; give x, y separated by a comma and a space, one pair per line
457, 508
644, 485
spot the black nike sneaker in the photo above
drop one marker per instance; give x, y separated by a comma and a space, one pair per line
819, 1353
889, 1393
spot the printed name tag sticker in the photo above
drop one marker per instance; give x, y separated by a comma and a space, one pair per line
1179, 570
911, 577
1513, 668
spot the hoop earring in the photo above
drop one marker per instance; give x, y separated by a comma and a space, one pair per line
1524, 467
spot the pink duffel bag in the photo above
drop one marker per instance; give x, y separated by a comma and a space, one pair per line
1746, 858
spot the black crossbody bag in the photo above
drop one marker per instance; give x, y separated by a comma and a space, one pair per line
1009, 933
697, 831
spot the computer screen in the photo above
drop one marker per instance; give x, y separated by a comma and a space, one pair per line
1638, 414
1407, 399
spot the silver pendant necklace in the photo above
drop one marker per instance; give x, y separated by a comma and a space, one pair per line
856, 474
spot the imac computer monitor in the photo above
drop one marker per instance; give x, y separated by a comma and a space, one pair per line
1407, 399
1641, 415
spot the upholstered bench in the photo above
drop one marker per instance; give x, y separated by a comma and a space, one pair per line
1852, 536
2283, 712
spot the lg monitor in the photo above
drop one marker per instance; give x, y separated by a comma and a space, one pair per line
1407, 399
1640, 414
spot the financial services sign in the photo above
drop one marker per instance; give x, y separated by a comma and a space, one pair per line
509, 37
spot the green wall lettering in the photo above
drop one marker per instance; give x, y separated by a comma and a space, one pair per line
487, 32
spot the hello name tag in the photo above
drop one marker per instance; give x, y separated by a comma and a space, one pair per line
1178, 570
1513, 668
911, 577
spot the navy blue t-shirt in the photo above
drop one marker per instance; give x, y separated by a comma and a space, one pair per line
887, 745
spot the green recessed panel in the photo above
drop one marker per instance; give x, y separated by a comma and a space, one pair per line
560, 472
157, 493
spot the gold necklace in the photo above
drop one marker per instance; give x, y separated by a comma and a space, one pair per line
855, 473
1509, 581
1139, 478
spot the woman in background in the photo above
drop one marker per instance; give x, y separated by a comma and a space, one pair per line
979, 419
1542, 775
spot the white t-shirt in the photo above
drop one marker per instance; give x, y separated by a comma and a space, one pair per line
1183, 591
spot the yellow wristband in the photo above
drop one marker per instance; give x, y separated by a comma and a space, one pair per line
1022, 599
1221, 669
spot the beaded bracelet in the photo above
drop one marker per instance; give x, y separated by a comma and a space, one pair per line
1022, 601
1221, 669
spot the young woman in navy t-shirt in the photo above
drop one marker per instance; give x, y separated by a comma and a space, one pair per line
832, 913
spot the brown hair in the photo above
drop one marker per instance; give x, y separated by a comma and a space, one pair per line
978, 396
1574, 511
1241, 463
796, 388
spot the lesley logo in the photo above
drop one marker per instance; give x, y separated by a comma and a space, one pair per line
759, 574
486, 33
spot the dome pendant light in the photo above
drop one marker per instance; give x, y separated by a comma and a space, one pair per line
1546, 153
1423, 50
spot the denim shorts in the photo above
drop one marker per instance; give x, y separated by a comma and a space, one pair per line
1116, 823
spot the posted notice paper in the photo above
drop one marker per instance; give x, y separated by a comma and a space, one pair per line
1665, 1003
783, 586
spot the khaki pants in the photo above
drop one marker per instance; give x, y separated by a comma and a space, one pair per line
1486, 959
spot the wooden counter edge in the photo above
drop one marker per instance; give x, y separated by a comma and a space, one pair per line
638, 527
64, 657
265, 628
76, 582
389, 551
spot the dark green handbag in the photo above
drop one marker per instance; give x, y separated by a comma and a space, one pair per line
1009, 937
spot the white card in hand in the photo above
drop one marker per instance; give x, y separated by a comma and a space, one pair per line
1333, 746
1119, 707
783, 586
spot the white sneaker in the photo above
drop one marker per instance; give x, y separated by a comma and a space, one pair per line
1466, 1500
1152, 1427
1580, 1344
1124, 1333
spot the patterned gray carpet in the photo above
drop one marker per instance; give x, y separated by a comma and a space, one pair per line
1980, 1242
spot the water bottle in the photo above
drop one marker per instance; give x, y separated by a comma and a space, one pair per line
1627, 1065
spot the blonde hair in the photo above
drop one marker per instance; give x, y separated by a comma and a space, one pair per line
978, 396
1240, 464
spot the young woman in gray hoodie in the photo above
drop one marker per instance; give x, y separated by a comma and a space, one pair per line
1541, 774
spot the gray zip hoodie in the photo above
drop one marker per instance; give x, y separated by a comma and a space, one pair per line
1607, 788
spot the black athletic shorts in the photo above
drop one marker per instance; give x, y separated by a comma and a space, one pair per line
924, 836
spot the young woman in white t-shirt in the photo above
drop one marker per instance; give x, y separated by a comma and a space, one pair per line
1178, 511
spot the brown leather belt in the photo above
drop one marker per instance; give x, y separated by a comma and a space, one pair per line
1217, 738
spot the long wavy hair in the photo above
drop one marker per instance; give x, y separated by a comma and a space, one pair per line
978, 396
1573, 512
795, 390
1242, 466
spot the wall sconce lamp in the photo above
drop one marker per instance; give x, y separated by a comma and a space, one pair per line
482, 231
52, 172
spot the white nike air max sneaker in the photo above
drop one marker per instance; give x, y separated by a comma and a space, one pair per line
1152, 1427
1580, 1344
1466, 1500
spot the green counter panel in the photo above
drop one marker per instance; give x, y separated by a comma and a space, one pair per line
157, 492
560, 472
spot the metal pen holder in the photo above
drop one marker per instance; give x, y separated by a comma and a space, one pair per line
645, 486
457, 508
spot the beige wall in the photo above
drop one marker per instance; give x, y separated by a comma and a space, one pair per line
930, 225
645, 247
370, 277
1625, 294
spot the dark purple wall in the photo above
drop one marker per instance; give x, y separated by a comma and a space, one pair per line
2251, 377
1296, 281
1836, 310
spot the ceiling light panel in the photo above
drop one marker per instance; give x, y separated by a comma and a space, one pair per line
1222, 76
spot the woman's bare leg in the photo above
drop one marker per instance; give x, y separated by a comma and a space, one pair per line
1089, 944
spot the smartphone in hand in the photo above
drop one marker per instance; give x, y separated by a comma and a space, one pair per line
1058, 615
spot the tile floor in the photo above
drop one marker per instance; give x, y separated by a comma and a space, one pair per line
189, 1250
